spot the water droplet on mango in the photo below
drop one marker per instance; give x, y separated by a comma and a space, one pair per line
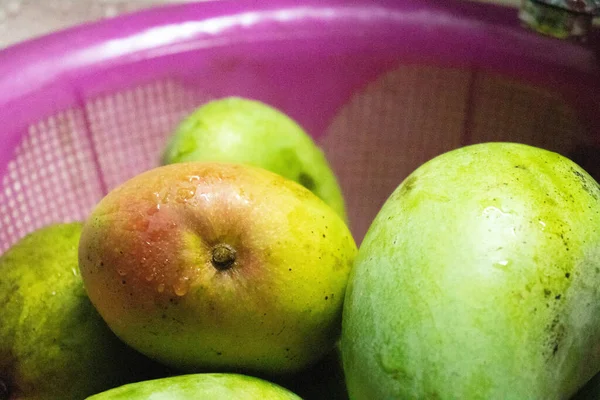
153, 210
184, 194
181, 287
503, 265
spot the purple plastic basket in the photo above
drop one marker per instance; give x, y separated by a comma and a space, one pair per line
382, 86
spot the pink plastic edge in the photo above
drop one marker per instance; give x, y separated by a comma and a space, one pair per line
41, 77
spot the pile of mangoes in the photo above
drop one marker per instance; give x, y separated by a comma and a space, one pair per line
229, 272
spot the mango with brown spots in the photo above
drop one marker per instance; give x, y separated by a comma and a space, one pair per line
220, 267
478, 279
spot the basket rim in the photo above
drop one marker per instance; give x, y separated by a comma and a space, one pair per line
483, 31
69, 45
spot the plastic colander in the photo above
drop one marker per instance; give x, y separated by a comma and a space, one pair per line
382, 86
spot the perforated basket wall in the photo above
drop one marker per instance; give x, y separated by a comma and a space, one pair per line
383, 87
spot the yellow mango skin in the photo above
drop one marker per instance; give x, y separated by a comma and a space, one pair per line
211, 386
146, 261
478, 279
53, 343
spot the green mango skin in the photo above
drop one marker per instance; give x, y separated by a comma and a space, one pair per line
213, 386
246, 131
478, 279
53, 343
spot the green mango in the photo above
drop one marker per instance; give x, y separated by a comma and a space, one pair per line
213, 386
478, 279
53, 343
246, 131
